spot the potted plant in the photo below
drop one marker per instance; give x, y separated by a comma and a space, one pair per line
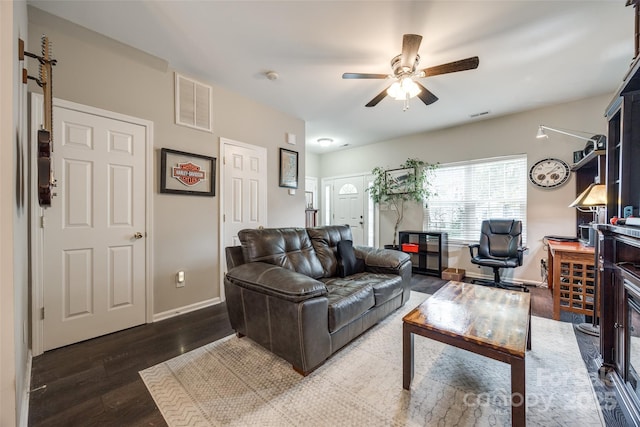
408, 183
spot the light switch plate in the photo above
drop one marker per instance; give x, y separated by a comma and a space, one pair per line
180, 279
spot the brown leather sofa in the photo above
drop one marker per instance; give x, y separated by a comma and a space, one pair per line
283, 290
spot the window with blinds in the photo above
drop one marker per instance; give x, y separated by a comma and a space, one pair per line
466, 193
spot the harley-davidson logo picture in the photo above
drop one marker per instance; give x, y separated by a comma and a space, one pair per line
188, 173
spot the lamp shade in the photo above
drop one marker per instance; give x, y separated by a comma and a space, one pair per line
594, 195
541, 133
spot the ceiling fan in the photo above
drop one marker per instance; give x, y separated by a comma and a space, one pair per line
405, 71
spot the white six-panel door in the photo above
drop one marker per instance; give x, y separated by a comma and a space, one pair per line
245, 189
94, 267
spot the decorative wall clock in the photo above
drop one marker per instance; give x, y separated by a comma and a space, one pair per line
549, 173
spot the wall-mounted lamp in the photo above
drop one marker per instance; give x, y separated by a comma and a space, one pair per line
599, 141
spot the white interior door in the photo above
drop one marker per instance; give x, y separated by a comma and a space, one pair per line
245, 189
94, 267
348, 206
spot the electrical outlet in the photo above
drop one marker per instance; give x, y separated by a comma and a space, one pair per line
543, 268
180, 279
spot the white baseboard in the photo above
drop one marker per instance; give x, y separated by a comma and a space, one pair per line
186, 309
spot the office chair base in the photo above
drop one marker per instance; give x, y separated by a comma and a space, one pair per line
501, 285
589, 329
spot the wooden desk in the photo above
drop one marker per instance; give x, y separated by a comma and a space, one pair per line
491, 322
572, 276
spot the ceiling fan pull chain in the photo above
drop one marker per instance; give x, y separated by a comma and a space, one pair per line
406, 102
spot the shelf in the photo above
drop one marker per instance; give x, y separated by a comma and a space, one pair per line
432, 255
587, 159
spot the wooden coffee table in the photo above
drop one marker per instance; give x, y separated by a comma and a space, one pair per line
492, 322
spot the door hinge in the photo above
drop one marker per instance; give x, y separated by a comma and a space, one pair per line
42, 222
224, 160
42, 313
224, 218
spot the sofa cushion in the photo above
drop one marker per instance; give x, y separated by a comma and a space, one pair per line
385, 286
325, 241
285, 247
348, 264
348, 300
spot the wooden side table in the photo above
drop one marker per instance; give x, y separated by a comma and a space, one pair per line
572, 277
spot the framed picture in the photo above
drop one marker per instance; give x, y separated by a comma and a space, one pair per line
400, 180
187, 173
288, 168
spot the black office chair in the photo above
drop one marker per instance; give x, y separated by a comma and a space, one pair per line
500, 246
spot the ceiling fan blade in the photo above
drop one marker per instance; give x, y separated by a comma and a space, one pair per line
426, 95
410, 46
379, 97
364, 76
452, 67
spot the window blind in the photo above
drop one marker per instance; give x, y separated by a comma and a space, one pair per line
466, 193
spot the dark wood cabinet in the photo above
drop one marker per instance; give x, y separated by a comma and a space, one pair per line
619, 256
428, 250
618, 249
623, 150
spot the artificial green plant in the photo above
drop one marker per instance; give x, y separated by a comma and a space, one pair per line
414, 188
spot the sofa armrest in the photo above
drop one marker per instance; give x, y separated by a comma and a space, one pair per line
276, 281
381, 258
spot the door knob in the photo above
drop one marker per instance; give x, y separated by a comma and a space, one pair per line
138, 235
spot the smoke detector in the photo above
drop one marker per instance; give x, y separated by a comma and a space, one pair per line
272, 75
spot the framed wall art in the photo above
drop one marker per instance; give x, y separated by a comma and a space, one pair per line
400, 180
187, 173
288, 168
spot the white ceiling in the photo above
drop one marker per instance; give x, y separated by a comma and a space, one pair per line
532, 54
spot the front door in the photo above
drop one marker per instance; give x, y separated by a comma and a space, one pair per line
348, 206
94, 267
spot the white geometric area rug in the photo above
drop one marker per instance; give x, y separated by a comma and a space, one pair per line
236, 382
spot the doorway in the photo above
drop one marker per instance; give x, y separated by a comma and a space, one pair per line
346, 201
92, 250
244, 202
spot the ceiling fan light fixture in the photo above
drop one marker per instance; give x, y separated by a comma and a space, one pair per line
403, 89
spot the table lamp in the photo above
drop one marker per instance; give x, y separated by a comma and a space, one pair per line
592, 199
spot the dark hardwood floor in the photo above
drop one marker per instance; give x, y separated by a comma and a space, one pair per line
96, 382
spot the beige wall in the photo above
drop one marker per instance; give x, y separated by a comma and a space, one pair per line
313, 165
103, 73
14, 260
547, 211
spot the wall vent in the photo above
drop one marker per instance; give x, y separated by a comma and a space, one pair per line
193, 103
483, 113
